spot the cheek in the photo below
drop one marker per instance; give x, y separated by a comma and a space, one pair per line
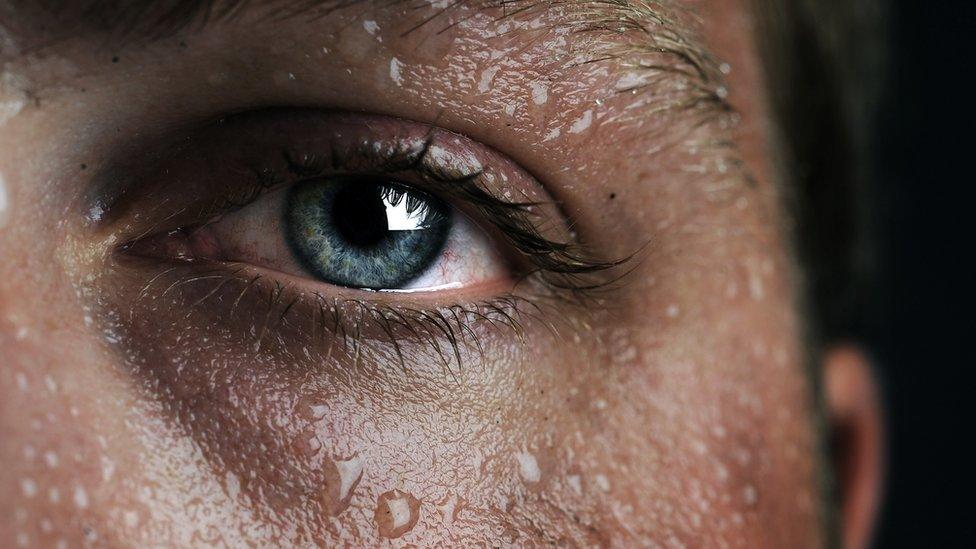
327, 434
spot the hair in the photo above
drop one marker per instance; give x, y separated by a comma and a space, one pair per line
824, 67
824, 62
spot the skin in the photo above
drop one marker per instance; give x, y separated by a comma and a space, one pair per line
672, 409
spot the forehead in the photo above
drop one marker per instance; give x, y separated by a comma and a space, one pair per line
26, 25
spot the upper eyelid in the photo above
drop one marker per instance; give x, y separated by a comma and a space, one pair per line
457, 181
510, 217
137, 163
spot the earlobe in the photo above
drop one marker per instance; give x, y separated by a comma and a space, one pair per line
855, 421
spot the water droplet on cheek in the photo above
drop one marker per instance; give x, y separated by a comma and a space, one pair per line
396, 513
4, 202
528, 467
350, 471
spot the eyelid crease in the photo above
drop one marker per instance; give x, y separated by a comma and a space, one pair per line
539, 234
565, 265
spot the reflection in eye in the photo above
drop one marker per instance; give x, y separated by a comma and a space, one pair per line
365, 234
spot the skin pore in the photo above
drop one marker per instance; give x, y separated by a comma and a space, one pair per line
662, 400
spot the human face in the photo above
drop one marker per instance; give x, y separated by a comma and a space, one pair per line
619, 362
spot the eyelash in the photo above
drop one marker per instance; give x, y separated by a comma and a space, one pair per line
563, 265
565, 271
446, 330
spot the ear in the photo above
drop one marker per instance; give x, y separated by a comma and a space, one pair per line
856, 426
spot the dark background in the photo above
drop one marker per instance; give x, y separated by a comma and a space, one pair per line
919, 325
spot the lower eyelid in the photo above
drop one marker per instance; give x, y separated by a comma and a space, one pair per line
253, 311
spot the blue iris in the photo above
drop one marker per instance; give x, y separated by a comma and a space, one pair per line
365, 232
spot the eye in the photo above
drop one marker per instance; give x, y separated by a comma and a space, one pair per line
364, 232
370, 233
352, 201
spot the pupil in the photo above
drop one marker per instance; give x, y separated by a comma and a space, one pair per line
359, 214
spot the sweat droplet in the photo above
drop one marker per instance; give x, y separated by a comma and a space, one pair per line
81, 498
396, 513
528, 467
350, 471
3, 202
396, 71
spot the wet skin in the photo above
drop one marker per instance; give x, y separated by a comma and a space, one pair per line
146, 398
